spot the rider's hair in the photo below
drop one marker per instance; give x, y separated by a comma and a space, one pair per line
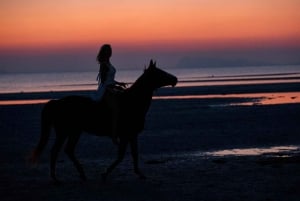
104, 52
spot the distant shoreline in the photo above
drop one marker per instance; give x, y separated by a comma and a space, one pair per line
168, 91
86, 81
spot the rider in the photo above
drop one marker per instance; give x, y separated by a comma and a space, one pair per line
106, 75
106, 82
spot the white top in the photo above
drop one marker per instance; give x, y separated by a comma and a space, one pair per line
110, 75
110, 79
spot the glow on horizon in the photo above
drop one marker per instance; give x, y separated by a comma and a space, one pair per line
49, 24
256, 99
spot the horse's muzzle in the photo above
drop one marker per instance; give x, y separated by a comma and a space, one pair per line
174, 81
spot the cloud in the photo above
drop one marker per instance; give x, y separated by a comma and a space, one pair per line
241, 58
135, 58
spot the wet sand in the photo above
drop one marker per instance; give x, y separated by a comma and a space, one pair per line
174, 149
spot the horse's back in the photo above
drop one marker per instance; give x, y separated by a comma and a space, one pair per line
70, 105
77, 113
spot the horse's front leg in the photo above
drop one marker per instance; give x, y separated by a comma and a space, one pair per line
69, 149
59, 141
135, 157
121, 153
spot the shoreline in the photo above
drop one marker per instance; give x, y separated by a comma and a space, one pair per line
168, 91
226, 95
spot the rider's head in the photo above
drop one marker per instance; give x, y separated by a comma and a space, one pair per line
105, 53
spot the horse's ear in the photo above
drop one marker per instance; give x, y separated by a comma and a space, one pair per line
151, 63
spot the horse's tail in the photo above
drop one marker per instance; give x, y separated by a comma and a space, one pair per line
46, 124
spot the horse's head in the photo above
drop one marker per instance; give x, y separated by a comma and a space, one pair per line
158, 78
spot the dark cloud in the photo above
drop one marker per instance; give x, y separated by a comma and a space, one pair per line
260, 57
84, 59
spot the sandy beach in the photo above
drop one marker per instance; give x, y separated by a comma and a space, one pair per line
177, 150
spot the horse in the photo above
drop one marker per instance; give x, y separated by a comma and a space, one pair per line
70, 116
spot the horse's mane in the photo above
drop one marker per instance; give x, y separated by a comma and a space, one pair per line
140, 81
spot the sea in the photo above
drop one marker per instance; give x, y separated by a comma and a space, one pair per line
74, 81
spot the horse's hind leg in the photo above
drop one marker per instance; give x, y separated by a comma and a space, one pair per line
134, 153
69, 149
121, 153
59, 141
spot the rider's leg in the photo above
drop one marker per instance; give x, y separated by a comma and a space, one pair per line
113, 105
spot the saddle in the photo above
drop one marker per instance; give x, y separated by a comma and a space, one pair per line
115, 89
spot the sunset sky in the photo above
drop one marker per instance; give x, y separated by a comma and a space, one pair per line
60, 34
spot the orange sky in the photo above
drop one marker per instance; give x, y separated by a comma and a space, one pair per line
47, 23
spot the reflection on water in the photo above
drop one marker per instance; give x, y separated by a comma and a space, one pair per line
216, 82
255, 151
251, 99
23, 102
273, 99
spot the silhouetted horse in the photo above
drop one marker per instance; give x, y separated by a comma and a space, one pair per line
72, 115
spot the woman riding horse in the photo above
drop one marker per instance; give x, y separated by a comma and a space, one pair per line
72, 115
107, 83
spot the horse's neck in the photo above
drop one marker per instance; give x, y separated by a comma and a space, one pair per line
141, 95
141, 98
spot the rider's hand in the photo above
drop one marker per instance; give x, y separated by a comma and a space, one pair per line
123, 84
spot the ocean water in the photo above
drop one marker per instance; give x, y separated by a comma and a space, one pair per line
42, 82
